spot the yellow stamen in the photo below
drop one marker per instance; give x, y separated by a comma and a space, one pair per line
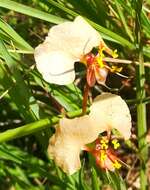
114, 54
103, 155
100, 57
100, 62
116, 164
100, 51
115, 69
104, 143
115, 143
104, 140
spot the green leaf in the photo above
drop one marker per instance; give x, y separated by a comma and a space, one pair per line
95, 180
33, 167
69, 96
105, 32
115, 180
18, 7
27, 129
16, 38
123, 20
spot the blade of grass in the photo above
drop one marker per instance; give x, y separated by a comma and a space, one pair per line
14, 36
12, 79
54, 19
34, 127
146, 22
95, 180
116, 180
27, 129
18, 7
101, 9
68, 97
21, 98
5, 55
105, 32
83, 7
81, 183
141, 108
123, 20
34, 164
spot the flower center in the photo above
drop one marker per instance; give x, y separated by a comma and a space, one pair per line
104, 153
97, 68
90, 58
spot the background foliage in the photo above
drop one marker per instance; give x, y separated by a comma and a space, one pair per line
27, 103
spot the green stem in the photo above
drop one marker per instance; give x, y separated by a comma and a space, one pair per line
145, 100
141, 108
27, 129
33, 127
141, 123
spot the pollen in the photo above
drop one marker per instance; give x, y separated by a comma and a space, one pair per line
101, 51
115, 69
104, 143
115, 143
114, 54
103, 156
100, 57
100, 62
116, 164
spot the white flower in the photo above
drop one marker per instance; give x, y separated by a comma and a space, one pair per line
108, 111
65, 44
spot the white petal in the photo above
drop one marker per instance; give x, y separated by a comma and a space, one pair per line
55, 66
76, 37
110, 111
70, 137
91, 36
65, 154
81, 129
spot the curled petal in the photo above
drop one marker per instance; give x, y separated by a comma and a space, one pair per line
55, 66
101, 75
110, 111
70, 137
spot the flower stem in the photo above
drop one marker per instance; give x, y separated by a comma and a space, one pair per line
34, 127
85, 98
141, 108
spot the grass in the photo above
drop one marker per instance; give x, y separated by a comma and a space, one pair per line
30, 106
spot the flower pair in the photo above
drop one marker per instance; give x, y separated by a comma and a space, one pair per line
66, 44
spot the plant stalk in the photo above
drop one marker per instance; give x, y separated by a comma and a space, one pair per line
141, 107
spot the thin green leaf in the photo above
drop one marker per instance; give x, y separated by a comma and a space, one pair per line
14, 36
104, 31
123, 20
95, 180
27, 129
18, 7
